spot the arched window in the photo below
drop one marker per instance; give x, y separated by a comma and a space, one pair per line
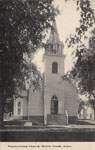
54, 105
19, 108
54, 67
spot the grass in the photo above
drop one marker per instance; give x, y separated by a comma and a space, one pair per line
14, 131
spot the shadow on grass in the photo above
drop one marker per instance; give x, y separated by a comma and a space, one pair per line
31, 136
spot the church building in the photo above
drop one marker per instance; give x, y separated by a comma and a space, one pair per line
55, 103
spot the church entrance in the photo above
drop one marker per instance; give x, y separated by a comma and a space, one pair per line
54, 105
54, 118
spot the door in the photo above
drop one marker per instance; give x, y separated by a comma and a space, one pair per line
54, 105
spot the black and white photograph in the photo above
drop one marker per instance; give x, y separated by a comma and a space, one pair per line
47, 71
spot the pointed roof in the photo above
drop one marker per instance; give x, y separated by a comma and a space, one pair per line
54, 36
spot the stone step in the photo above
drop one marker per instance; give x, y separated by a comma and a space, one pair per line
56, 120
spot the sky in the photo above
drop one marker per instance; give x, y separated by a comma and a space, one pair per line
66, 22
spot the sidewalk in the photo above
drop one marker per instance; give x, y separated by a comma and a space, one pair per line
80, 126
51, 128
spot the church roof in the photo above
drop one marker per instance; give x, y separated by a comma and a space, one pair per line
54, 36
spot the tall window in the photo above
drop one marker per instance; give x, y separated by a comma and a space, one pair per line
54, 67
54, 105
19, 108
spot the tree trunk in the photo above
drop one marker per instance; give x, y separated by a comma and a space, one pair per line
1, 111
1, 99
93, 104
94, 113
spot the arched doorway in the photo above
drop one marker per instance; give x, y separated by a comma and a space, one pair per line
54, 105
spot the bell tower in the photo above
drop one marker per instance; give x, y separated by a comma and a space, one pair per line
54, 70
54, 46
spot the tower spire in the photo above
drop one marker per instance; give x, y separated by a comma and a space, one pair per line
54, 46
54, 36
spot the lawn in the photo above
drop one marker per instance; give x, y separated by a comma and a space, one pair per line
16, 132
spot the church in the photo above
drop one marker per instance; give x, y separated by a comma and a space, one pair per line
56, 102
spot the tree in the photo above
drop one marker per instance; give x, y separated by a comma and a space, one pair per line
84, 71
92, 103
22, 29
81, 106
87, 20
84, 66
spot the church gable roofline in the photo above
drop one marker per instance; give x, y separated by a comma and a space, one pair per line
65, 79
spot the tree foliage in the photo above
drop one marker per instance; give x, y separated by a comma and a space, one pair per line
22, 29
87, 21
84, 68
22, 26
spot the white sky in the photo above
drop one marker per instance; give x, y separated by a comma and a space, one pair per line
67, 21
